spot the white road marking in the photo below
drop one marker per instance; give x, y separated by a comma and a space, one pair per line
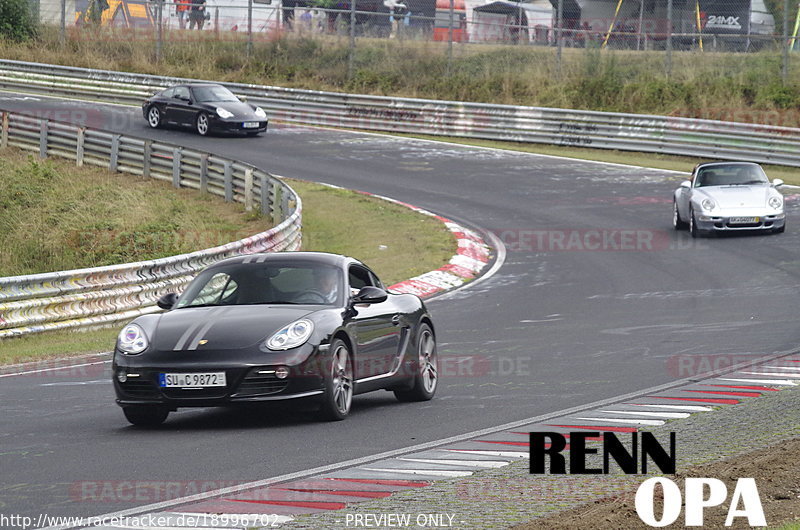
650, 414
508, 454
771, 373
782, 382
431, 472
695, 408
465, 463
620, 420
69, 367
79, 383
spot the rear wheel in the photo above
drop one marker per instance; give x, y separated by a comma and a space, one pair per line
426, 377
201, 124
154, 117
145, 416
338, 394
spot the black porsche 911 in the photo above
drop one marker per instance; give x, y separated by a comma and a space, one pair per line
278, 326
205, 107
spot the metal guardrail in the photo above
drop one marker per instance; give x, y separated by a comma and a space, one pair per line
574, 128
70, 299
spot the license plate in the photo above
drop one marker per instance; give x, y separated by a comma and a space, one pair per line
194, 380
250, 125
742, 220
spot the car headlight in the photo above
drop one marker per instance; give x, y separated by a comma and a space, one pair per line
775, 202
132, 340
291, 336
224, 114
708, 204
260, 112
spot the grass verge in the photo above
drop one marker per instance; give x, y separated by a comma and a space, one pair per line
395, 241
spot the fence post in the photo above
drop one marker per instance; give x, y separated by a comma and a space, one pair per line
228, 179
114, 159
146, 155
668, 66
43, 139
284, 212
785, 68
62, 33
249, 27
176, 167
248, 189
352, 47
559, 35
265, 202
81, 139
4, 132
159, 29
204, 173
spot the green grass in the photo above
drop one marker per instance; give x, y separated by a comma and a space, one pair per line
54, 216
334, 220
720, 85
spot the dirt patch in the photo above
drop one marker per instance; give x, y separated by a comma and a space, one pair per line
776, 470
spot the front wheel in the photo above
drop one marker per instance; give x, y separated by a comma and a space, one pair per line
677, 223
145, 416
696, 232
338, 394
201, 124
426, 376
780, 230
154, 117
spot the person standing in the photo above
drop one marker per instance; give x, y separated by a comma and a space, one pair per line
197, 14
181, 7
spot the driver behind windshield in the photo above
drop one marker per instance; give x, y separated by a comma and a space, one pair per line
327, 283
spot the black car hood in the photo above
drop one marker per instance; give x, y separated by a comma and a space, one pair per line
239, 109
223, 327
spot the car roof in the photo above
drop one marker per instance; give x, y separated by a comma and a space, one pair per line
724, 163
194, 85
323, 258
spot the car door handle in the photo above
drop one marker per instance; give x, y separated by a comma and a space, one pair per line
396, 320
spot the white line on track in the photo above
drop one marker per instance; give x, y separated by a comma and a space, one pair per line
68, 367
626, 421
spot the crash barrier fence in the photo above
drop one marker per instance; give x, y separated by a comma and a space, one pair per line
102, 295
562, 127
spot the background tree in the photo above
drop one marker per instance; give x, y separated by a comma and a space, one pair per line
16, 20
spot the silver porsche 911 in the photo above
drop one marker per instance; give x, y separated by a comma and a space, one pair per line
728, 196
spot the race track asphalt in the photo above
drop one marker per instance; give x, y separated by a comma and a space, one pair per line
567, 320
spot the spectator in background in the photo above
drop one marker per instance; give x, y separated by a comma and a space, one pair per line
181, 7
197, 14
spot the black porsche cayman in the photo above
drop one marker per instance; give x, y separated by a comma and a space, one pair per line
206, 108
276, 326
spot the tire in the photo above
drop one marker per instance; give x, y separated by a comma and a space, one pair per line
254, 133
145, 416
337, 397
201, 124
426, 377
677, 224
780, 230
154, 117
696, 232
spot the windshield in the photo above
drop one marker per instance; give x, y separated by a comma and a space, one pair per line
730, 175
265, 283
213, 93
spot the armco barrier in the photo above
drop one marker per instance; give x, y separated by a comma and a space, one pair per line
85, 297
606, 130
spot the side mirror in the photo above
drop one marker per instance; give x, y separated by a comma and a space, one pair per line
777, 182
370, 295
243, 99
686, 184
167, 301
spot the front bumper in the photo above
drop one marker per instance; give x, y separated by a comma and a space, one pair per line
725, 222
245, 383
237, 125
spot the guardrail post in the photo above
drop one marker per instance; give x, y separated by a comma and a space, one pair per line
79, 141
274, 203
43, 139
113, 162
265, 202
4, 132
284, 203
204, 173
146, 156
248, 189
176, 167
228, 179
